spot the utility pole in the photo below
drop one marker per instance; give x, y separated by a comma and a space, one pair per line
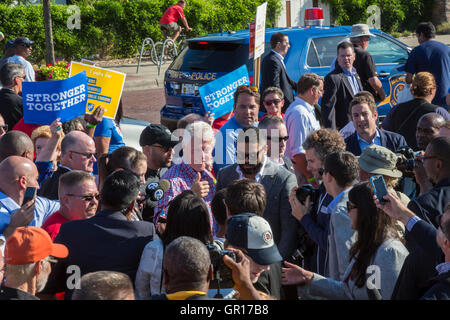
49, 49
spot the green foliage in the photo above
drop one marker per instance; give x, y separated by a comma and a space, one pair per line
59, 71
443, 28
396, 15
116, 28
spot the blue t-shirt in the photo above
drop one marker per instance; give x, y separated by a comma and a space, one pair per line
109, 128
434, 57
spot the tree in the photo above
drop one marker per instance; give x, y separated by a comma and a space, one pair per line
49, 49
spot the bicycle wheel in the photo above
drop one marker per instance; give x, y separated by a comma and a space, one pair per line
172, 51
156, 54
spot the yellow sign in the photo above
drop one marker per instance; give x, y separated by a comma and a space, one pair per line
104, 87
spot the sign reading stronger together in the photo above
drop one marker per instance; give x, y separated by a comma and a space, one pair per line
44, 101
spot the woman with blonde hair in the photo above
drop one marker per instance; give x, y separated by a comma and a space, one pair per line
47, 148
403, 118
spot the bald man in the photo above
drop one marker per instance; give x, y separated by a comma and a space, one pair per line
77, 153
428, 128
16, 143
16, 174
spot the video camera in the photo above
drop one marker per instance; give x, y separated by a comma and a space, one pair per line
307, 190
405, 161
222, 274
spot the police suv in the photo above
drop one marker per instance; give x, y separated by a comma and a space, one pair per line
313, 49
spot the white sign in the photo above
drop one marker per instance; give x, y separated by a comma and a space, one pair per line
260, 30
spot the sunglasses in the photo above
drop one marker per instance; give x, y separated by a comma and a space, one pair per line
350, 206
246, 89
88, 155
86, 197
278, 138
270, 102
4, 127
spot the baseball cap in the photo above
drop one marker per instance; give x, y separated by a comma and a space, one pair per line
379, 160
31, 244
23, 40
157, 133
253, 233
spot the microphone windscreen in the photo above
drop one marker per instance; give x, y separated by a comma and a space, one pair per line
164, 184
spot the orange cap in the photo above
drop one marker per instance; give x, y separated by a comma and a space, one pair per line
31, 244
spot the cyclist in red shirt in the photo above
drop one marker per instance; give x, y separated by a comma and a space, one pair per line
168, 23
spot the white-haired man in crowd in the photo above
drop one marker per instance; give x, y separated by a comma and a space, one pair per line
191, 170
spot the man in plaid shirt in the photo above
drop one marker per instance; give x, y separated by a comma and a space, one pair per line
190, 172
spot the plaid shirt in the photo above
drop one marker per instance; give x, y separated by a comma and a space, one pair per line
182, 177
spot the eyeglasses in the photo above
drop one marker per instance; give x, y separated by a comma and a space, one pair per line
351, 206
270, 102
88, 155
85, 197
278, 138
164, 148
246, 88
4, 127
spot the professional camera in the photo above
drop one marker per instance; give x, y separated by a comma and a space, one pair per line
307, 190
405, 161
222, 274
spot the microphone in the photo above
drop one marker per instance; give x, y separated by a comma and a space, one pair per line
155, 190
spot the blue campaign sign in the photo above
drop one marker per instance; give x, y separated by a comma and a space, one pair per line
44, 101
218, 95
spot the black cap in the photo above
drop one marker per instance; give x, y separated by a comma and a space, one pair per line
157, 133
23, 40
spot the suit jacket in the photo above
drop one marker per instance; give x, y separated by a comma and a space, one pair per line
107, 241
340, 239
440, 288
336, 98
389, 258
277, 182
419, 266
390, 140
273, 74
10, 107
49, 188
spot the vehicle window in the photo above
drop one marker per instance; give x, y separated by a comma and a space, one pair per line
322, 51
384, 50
210, 56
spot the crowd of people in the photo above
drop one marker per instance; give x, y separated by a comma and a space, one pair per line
274, 204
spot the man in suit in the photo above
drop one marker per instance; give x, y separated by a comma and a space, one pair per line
273, 69
341, 170
426, 269
277, 181
363, 112
11, 75
340, 87
107, 241
77, 153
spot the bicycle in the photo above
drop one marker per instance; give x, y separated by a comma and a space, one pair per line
170, 47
